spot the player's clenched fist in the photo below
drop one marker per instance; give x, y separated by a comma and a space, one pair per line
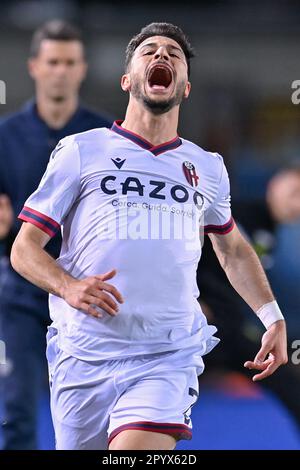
91, 292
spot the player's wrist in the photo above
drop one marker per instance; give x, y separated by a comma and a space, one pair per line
269, 313
65, 284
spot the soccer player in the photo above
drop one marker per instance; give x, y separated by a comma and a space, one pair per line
58, 67
128, 335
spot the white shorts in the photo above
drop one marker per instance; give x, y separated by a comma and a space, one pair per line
91, 402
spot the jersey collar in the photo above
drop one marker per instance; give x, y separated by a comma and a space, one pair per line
155, 149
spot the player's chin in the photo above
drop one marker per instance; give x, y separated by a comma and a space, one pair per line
157, 100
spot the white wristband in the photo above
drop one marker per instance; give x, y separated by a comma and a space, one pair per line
269, 313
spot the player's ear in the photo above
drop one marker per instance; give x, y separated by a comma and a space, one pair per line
84, 69
187, 89
125, 82
31, 66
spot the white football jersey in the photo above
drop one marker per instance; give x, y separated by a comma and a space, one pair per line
125, 204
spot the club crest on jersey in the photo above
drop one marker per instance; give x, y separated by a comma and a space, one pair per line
190, 173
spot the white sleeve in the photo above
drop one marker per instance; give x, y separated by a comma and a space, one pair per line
217, 218
58, 189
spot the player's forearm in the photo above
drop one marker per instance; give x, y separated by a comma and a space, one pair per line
33, 263
247, 276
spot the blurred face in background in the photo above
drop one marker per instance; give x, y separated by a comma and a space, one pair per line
58, 69
283, 196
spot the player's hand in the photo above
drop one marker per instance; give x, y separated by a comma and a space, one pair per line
273, 351
92, 292
6, 215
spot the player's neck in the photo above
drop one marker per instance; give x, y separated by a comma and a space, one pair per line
56, 114
155, 129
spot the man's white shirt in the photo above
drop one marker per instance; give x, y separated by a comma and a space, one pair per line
125, 204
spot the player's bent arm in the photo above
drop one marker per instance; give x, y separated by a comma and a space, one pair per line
246, 275
31, 261
243, 268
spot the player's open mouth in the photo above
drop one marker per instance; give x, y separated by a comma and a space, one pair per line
160, 78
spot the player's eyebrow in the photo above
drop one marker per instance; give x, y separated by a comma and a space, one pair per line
169, 46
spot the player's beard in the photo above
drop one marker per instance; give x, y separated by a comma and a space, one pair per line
158, 106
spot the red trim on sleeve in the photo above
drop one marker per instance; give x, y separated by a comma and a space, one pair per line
37, 224
40, 220
220, 229
43, 216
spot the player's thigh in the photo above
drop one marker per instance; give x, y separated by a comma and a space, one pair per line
142, 440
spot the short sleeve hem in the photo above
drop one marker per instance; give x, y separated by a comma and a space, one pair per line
220, 229
45, 223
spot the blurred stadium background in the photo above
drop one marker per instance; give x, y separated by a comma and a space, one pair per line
241, 107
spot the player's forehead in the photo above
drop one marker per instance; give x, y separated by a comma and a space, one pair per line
158, 41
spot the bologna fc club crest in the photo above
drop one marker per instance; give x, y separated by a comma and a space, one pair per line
190, 173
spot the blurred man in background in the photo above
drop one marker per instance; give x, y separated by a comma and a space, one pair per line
57, 65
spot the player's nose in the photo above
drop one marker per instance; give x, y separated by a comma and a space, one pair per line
162, 53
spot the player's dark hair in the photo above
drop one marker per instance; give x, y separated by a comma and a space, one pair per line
57, 30
160, 29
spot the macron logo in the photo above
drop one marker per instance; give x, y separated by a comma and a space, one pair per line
118, 162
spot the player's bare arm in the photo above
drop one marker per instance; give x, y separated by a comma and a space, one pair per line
246, 275
31, 261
